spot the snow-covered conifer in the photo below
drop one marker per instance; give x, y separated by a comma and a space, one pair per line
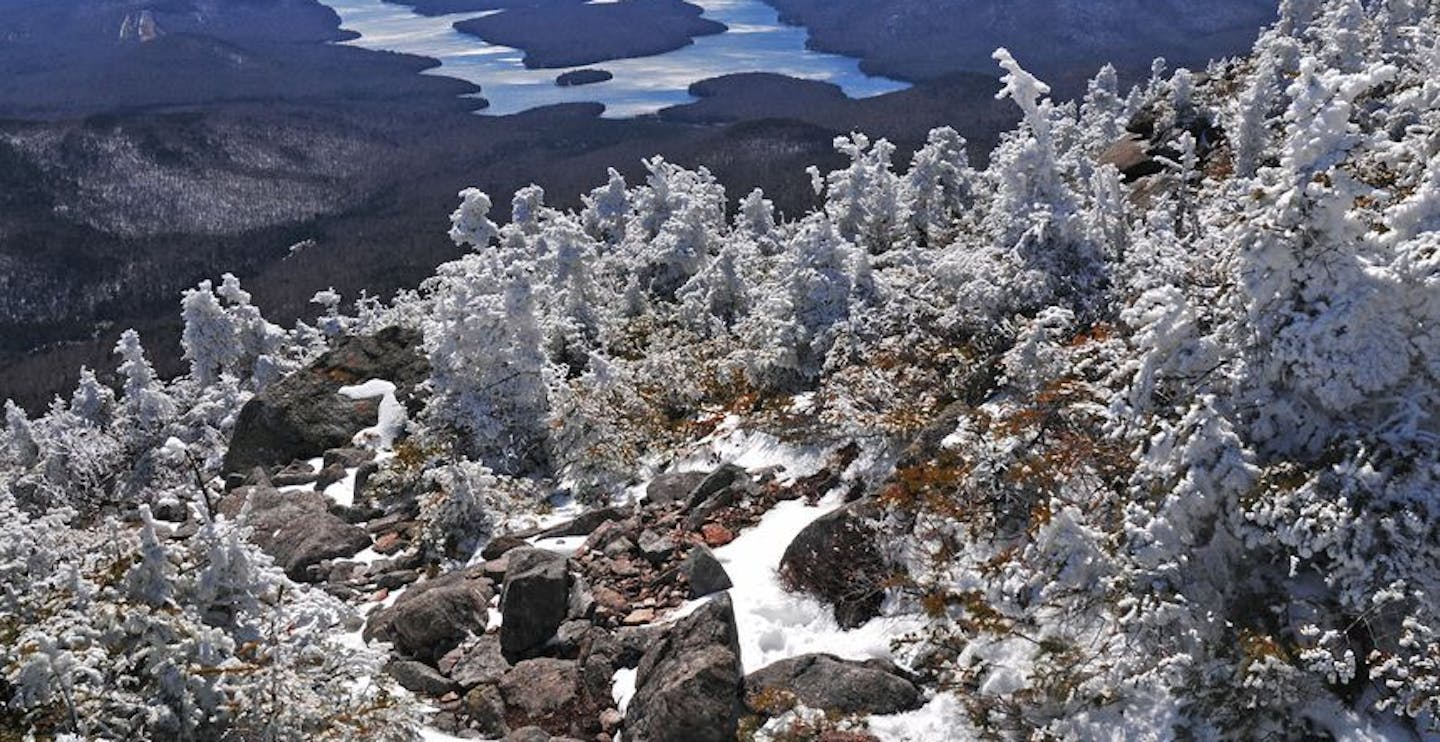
606, 209
487, 362
866, 200
20, 436
92, 401
674, 222
470, 223
209, 340
939, 187
144, 400
1102, 113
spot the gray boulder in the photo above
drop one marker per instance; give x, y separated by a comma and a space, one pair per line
418, 677
534, 602
723, 488
829, 683
655, 547
498, 546
302, 415
585, 523
347, 458
296, 473
329, 475
723, 478
688, 685
433, 617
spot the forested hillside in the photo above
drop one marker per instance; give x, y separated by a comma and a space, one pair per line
923, 39
1130, 433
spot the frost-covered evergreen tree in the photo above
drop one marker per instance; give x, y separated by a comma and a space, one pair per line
488, 365
144, 401
792, 329
672, 226
866, 201
939, 187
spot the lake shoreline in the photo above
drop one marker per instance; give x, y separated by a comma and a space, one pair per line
756, 41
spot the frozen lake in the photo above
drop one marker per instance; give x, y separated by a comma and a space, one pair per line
756, 42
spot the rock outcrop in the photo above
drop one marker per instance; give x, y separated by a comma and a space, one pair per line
534, 602
296, 528
688, 685
302, 415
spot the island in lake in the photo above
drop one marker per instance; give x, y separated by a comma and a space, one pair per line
588, 76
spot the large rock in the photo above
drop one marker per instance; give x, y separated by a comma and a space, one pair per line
302, 415
837, 558
585, 523
295, 528
433, 617
822, 681
498, 546
534, 602
723, 478
1131, 156
688, 685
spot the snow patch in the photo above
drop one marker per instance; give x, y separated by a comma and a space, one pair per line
343, 491
622, 687
566, 545
775, 624
754, 450
942, 718
392, 417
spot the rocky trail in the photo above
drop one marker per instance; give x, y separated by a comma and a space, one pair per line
717, 595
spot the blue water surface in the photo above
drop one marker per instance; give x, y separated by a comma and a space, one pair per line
756, 42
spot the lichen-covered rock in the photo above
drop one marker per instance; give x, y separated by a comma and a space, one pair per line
826, 682
837, 558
